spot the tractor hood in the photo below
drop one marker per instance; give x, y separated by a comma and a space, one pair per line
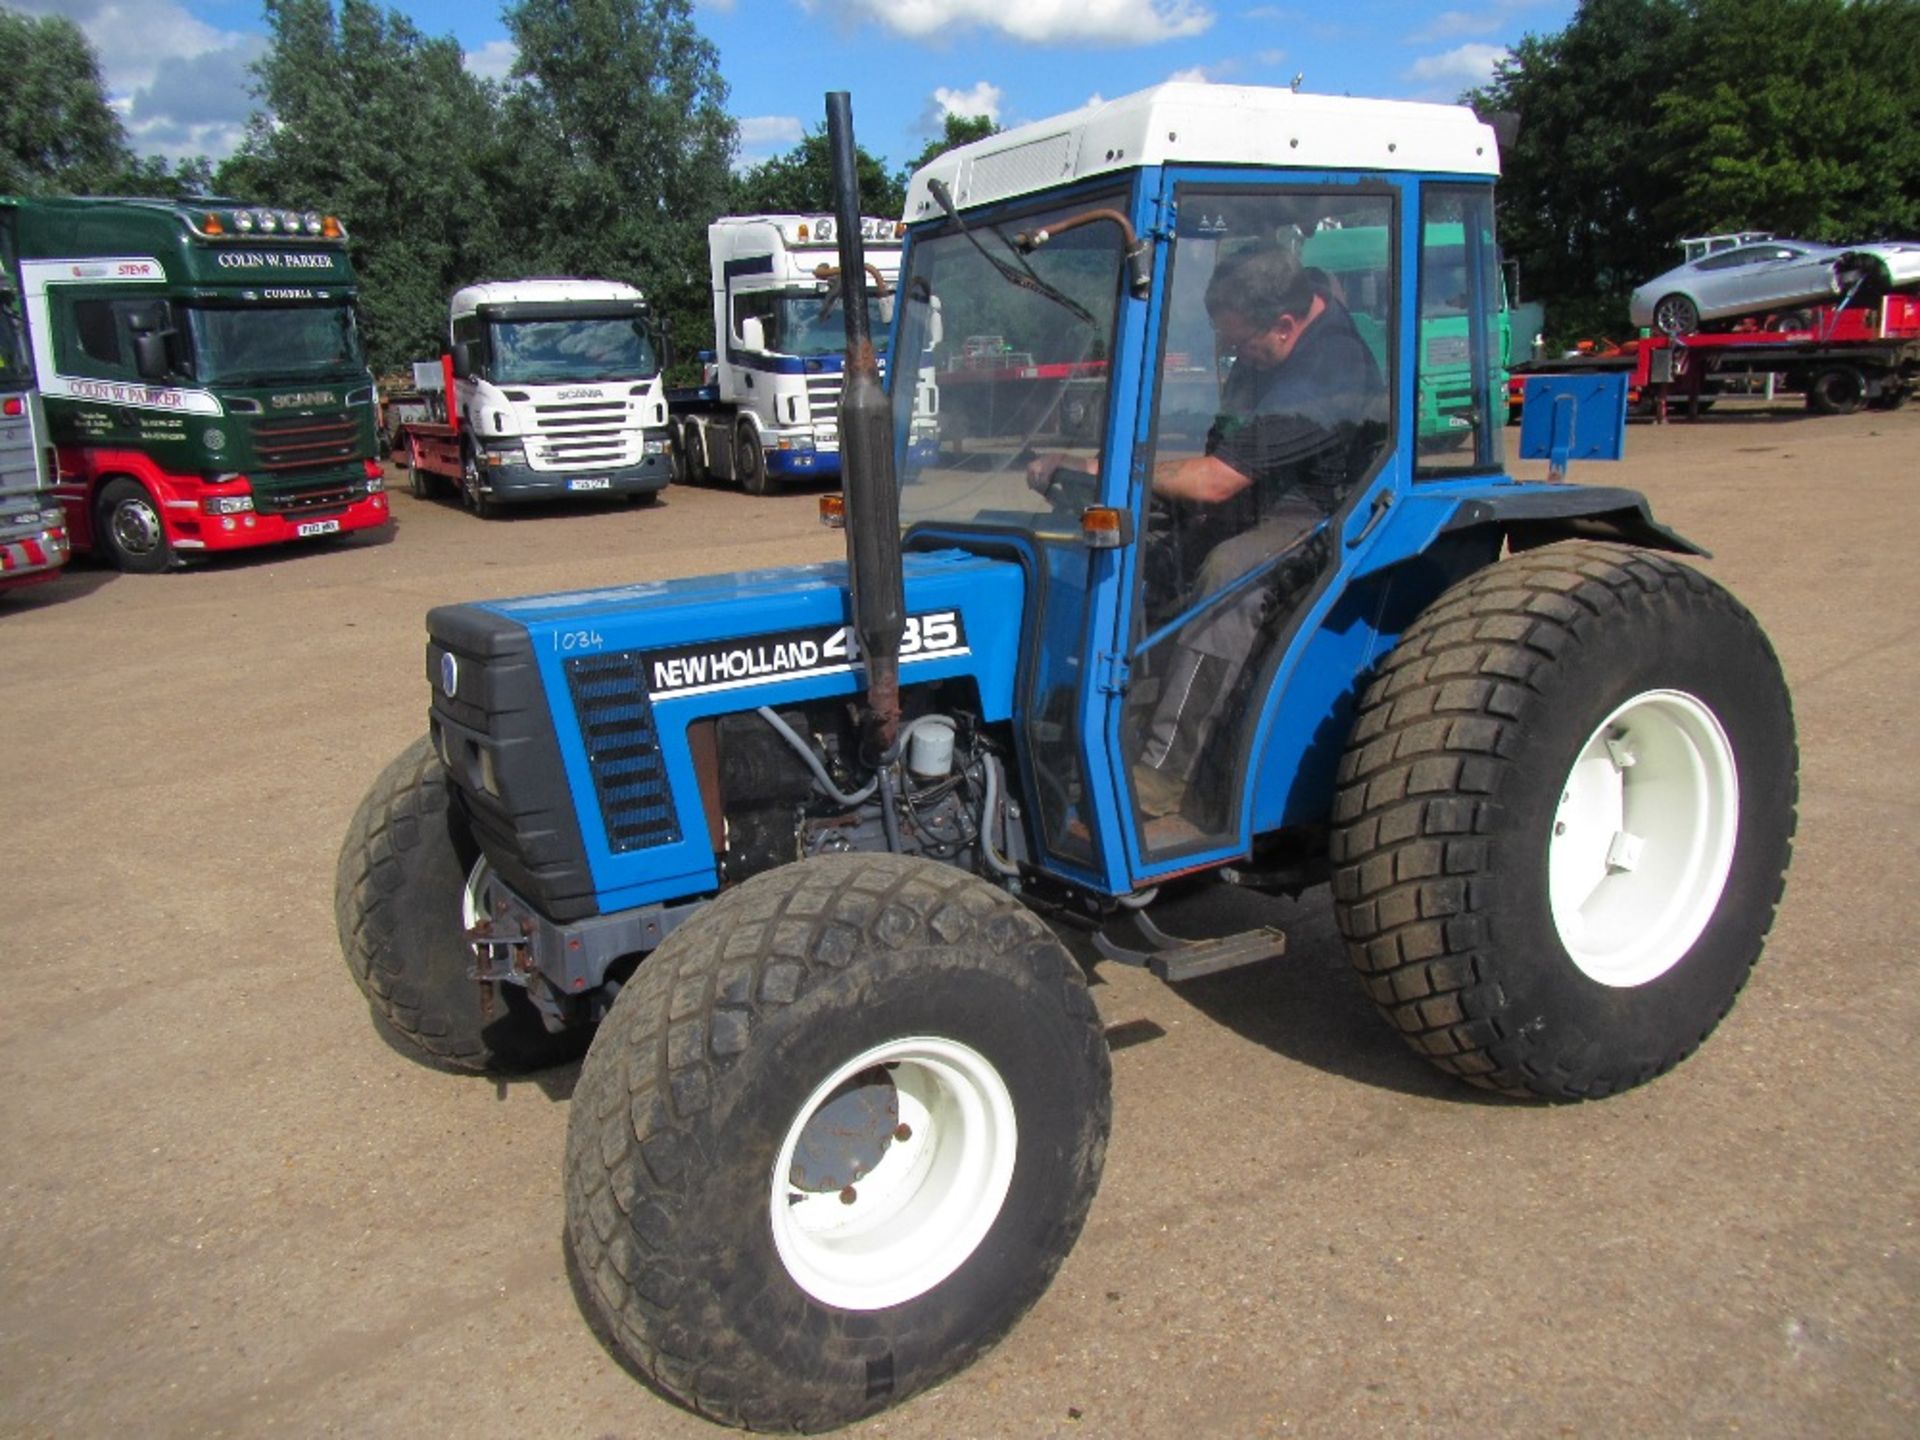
622, 672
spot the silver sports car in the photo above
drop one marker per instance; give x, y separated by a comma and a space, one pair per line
1769, 274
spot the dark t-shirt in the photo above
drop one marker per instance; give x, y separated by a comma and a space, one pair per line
1306, 429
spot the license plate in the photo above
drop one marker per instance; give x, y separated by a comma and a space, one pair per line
590, 482
319, 527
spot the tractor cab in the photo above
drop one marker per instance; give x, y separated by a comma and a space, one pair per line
1121, 259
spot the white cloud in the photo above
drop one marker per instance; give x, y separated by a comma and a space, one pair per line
1041, 22
493, 60
763, 132
982, 99
1192, 75
1463, 66
1451, 23
181, 85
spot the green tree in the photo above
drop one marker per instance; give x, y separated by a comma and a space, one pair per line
365, 117
1579, 188
955, 131
1647, 120
58, 135
801, 182
621, 147
1799, 116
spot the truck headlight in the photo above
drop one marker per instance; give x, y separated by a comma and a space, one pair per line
656, 447
507, 455
226, 504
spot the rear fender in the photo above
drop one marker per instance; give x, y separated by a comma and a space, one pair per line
1428, 540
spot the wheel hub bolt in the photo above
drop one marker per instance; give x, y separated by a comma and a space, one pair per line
903, 1131
847, 1196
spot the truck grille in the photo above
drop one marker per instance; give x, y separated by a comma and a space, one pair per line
623, 749
581, 434
823, 396
314, 498
305, 442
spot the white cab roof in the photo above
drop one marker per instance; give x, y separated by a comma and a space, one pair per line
1200, 124
469, 298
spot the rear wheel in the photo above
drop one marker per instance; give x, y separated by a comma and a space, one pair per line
834, 1139
693, 467
749, 461
1837, 390
1676, 315
418, 480
1564, 820
409, 884
127, 526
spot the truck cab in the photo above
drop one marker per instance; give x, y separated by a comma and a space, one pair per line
33, 527
557, 388
768, 405
202, 373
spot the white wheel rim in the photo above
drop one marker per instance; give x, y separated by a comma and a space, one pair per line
933, 1166
1643, 838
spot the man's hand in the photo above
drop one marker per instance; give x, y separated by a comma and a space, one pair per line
1041, 476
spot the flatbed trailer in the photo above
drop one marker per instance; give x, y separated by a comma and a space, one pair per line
1841, 359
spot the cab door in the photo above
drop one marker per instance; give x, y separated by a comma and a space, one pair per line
1220, 585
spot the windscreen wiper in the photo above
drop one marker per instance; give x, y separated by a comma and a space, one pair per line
1024, 277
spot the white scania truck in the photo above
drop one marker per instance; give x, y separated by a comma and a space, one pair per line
555, 391
768, 407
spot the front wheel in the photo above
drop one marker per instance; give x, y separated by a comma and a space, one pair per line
409, 884
127, 526
834, 1139
1564, 820
473, 489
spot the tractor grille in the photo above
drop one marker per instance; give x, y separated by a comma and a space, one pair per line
584, 433
623, 749
299, 443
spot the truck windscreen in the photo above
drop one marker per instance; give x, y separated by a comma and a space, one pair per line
800, 329
252, 344
584, 347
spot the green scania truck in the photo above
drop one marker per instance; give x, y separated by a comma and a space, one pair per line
201, 371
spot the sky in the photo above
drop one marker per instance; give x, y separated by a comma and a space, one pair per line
177, 70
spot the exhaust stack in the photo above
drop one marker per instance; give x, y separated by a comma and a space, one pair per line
866, 454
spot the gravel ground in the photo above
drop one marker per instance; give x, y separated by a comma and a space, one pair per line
231, 1208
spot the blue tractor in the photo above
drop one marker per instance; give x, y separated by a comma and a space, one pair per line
797, 849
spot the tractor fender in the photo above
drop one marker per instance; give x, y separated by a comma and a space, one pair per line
1533, 516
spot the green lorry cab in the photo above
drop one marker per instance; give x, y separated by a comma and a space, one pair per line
201, 371
1352, 259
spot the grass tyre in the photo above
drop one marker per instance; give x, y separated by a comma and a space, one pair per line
401, 893
128, 528
834, 1138
1564, 818
749, 460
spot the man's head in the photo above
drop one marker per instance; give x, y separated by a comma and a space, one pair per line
1260, 299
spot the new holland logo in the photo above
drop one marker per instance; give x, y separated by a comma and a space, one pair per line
821, 650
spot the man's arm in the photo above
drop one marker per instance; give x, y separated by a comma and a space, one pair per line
1205, 478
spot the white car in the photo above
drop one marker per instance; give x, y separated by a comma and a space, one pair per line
1769, 274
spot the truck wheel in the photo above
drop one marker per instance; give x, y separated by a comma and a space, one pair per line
1564, 819
693, 469
749, 461
418, 480
834, 1139
472, 492
127, 526
409, 881
1837, 390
